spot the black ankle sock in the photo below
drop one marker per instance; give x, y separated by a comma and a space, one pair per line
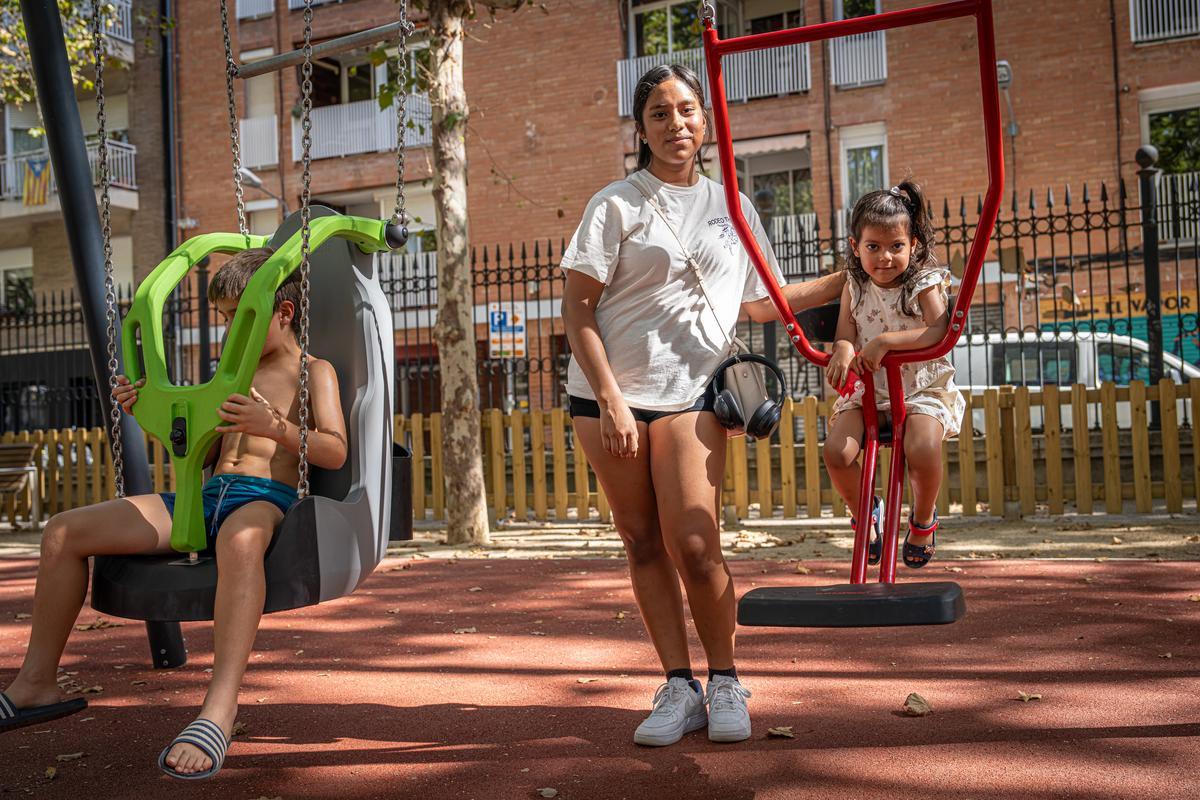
686, 674
729, 673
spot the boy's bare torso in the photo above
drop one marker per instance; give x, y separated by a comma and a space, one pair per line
277, 380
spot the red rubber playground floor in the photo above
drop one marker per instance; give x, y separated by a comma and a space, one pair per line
502, 678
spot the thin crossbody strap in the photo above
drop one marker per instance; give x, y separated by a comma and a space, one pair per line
690, 260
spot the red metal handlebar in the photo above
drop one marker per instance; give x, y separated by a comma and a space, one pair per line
715, 48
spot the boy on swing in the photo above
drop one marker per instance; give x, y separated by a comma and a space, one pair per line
255, 471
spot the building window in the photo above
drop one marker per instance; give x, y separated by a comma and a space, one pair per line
791, 190
864, 161
1160, 20
658, 28
777, 22
263, 222
852, 9
16, 290
1170, 117
1176, 134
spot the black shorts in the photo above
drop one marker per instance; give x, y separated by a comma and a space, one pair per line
582, 407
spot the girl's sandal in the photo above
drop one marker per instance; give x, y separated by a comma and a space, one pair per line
875, 547
917, 556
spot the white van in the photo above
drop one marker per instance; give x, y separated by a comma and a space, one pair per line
983, 361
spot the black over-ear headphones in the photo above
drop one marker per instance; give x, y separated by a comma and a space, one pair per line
760, 422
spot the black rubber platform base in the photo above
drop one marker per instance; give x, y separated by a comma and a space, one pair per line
864, 605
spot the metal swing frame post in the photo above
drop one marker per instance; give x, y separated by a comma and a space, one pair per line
714, 49
73, 174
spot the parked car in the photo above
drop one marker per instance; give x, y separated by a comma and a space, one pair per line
1034, 359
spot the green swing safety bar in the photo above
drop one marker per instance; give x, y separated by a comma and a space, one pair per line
185, 417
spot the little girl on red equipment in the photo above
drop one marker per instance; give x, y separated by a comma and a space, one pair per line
894, 299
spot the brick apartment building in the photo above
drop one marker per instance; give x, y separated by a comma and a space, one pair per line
34, 257
550, 95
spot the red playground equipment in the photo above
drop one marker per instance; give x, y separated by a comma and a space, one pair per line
858, 603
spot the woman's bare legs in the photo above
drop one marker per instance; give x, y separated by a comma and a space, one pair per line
130, 525
687, 461
241, 591
630, 491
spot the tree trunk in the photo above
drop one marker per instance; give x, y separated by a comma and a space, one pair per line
462, 456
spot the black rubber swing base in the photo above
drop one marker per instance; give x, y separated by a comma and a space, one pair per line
861, 605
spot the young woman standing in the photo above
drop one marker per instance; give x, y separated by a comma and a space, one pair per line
645, 343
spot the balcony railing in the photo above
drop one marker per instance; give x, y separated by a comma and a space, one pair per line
260, 141
859, 60
248, 9
1156, 20
297, 4
122, 24
362, 127
122, 166
759, 73
794, 228
1179, 207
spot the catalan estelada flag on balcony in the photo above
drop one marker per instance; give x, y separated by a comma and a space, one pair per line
37, 181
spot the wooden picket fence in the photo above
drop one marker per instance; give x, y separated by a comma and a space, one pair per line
1003, 466
1006, 465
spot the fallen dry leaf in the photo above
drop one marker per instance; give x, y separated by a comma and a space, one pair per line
586, 680
100, 623
1192, 538
1089, 579
537, 633
475, 589
70, 757
782, 732
548, 792
619, 615
24, 616
1165, 655
1118, 540
393, 611
917, 706
137, 683
1195, 598
802, 570
465, 630
953, 569
1025, 698
239, 728
51, 772
91, 690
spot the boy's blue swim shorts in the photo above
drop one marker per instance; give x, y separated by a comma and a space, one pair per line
224, 494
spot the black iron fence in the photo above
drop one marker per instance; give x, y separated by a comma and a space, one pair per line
1077, 286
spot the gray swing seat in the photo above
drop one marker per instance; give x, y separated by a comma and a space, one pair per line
331, 540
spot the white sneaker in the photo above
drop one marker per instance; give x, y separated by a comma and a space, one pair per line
678, 709
728, 716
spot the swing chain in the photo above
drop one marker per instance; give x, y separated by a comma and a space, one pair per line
306, 72
400, 215
708, 11
231, 71
110, 289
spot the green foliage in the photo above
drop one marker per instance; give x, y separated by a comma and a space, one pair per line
16, 73
1176, 134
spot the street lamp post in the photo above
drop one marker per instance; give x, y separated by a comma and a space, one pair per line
255, 182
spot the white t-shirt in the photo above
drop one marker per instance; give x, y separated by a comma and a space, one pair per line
662, 339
